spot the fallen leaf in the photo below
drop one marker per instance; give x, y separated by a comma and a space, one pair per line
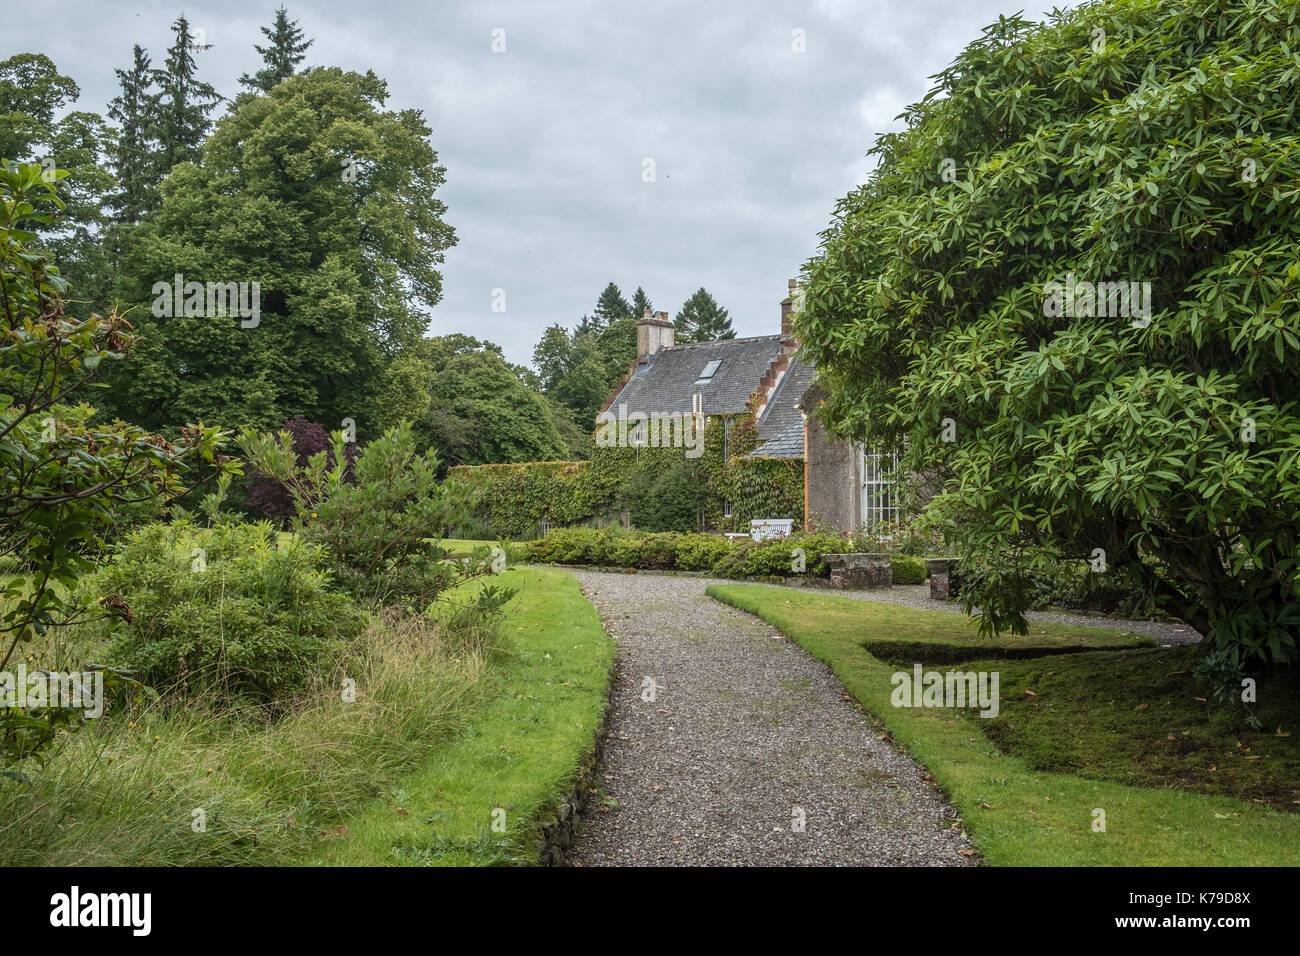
1140, 707
966, 852
1030, 692
985, 806
400, 810
1281, 733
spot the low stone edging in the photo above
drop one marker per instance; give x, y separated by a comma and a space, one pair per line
559, 825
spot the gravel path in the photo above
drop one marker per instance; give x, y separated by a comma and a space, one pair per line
918, 596
747, 736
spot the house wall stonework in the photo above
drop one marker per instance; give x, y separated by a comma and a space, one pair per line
832, 476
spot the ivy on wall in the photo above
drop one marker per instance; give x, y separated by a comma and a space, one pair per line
661, 489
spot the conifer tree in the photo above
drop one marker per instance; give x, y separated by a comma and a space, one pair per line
287, 49
134, 161
183, 102
702, 320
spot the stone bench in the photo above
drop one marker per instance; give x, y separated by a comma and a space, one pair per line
940, 576
859, 570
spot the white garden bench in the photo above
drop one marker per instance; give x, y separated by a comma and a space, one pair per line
764, 529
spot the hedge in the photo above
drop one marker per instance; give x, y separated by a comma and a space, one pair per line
660, 488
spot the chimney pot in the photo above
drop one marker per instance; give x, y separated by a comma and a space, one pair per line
653, 332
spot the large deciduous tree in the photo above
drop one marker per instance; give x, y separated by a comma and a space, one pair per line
328, 201
34, 128
469, 404
1125, 142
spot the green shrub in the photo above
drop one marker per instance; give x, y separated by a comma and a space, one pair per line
701, 552
907, 570
659, 551
375, 515
734, 563
230, 609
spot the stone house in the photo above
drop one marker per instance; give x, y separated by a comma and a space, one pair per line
845, 485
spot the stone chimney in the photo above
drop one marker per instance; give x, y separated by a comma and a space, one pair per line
787, 308
653, 332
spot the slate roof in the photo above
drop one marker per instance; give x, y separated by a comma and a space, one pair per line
665, 384
787, 444
781, 426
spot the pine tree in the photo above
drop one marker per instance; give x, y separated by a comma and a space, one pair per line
702, 320
183, 102
610, 306
286, 50
640, 302
134, 162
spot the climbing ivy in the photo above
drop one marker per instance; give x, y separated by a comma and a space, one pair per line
660, 488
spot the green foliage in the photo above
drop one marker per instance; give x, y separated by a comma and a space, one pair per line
229, 611
666, 496
286, 49
907, 570
701, 319
668, 551
62, 480
32, 94
184, 102
701, 552
1222, 671
610, 306
375, 517
1150, 141
134, 156
28, 732
661, 488
346, 269
480, 412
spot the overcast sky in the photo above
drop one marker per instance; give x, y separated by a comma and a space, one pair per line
545, 144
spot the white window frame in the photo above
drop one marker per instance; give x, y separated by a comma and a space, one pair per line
878, 493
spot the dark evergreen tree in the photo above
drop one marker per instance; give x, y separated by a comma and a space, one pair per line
610, 306
133, 157
183, 102
640, 302
702, 320
287, 49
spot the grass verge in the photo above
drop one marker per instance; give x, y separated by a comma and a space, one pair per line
514, 761
1017, 813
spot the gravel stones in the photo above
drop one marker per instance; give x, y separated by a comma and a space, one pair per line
728, 744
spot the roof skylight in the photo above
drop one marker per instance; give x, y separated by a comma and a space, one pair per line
709, 371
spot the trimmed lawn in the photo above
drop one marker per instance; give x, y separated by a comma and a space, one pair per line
1034, 805
519, 754
1140, 717
460, 546
905, 635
